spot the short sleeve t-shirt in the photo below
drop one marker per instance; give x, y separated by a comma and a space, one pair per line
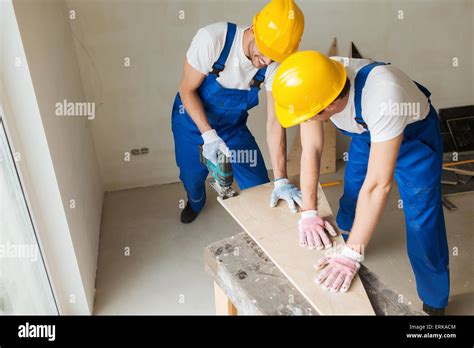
390, 101
206, 48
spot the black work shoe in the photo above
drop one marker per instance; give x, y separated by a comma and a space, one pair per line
188, 214
432, 311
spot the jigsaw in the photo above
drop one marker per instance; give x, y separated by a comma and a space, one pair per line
222, 175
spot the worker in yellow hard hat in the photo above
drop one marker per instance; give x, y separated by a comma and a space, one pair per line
395, 133
225, 67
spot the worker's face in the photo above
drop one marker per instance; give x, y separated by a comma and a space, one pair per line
324, 115
334, 108
259, 60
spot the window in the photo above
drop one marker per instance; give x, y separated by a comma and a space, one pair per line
24, 284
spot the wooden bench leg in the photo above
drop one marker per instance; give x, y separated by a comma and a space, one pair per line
223, 305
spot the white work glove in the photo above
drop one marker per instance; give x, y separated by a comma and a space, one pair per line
338, 269
212, 145
313, 230
289, 192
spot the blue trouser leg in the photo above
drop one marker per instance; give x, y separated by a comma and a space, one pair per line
187, 140
192, 172
418, 174
248, 166
356, 170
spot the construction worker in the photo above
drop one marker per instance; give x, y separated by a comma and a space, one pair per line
223, 70
395, 132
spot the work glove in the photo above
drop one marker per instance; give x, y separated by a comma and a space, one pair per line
338, 269
289, 192
212, 145
313, 230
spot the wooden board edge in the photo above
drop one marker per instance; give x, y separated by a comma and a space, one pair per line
370, 311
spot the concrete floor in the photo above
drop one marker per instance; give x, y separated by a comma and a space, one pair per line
164, 272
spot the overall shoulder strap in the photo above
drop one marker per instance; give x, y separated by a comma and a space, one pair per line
359, 84
259, 78
219, 65
423, 89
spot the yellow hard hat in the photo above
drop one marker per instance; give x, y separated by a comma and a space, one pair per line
278, 29
304, 85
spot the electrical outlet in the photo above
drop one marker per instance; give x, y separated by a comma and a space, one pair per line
142, 151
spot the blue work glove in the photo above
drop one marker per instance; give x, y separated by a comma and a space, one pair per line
212, 145
289, 192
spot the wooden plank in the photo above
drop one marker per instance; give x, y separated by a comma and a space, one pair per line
223, 304
463, 179
294, 156
275, 231
255, 285
448, 204
328, 157
332, 51
464, 164
452, 164
460, 171
449, 178
451, 190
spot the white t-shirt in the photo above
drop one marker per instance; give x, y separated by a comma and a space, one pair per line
390, 101
206, 48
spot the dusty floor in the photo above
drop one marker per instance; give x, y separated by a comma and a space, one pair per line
150, 263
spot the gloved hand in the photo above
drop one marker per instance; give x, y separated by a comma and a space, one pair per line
289, 192
339, 269
212, 144
312, 230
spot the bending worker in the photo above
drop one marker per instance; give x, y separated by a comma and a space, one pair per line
223, 70
395, 132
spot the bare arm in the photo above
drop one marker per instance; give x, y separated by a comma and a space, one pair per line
276, 140
188, 91
375, 190
312, 140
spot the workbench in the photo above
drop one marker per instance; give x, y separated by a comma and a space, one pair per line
247, 282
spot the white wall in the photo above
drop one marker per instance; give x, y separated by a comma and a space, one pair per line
58, 160
137, 100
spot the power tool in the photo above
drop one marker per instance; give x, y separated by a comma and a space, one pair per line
222, 174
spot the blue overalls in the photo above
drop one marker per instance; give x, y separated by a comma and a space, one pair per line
418, 175
226, 111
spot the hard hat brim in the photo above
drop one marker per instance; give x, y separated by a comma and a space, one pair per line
287, 118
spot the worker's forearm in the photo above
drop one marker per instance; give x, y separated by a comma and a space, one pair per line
276, 141
194, 107
370, 205
309, 178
